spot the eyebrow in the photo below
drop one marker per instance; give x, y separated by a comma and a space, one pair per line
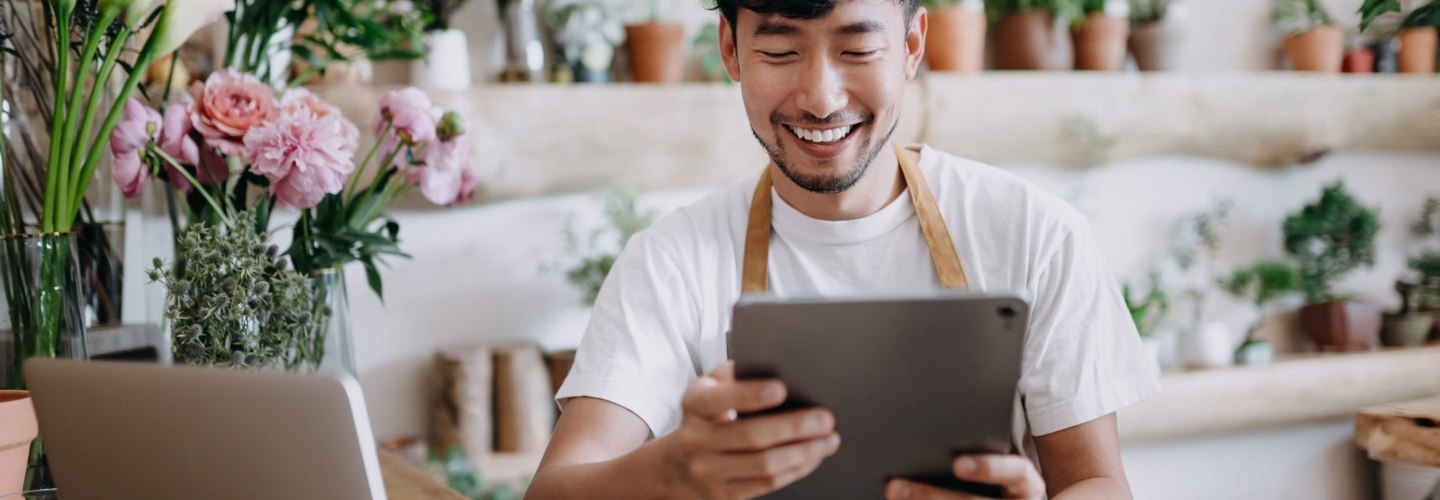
770, 27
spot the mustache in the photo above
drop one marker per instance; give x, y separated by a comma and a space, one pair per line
807, 119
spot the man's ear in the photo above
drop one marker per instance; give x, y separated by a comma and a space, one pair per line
728, 54
915, 42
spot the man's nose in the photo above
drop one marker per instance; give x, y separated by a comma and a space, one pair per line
822, 92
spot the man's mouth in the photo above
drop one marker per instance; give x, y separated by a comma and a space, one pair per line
823, 135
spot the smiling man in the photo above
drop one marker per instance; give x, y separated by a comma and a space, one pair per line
651, 408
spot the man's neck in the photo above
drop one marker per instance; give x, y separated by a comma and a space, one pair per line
880, 185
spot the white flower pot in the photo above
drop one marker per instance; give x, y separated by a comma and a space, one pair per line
1408, 482
1211, 346
446, 65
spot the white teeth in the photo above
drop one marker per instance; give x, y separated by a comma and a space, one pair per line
821, 136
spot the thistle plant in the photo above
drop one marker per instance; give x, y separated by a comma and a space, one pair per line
239, 304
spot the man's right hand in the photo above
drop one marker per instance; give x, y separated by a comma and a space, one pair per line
722, 456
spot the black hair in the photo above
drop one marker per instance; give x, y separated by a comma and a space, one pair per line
794, 9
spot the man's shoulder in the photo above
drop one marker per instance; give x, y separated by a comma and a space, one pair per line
982, 190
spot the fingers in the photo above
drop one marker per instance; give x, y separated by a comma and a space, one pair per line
763, 432
774, 462
716, 399
1017, 474
751, 488
900, 489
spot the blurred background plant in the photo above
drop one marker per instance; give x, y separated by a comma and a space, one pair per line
595, 254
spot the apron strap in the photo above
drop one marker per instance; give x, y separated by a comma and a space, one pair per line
754, 274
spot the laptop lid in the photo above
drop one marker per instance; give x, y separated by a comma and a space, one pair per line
130, 430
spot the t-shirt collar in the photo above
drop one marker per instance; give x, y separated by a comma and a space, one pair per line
789, 222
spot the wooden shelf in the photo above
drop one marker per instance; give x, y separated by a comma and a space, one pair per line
1297, 390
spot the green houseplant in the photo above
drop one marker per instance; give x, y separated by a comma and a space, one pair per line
1312, 40
596, 253
1426, 265
1101, 35
956, 38
1156, 34
1417, 34
1034, 34
1261, 284
1329, 239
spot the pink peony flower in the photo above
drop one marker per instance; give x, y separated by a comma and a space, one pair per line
227, 106
410, 114
447, 175
175, 141
304, 155
302, 97
131, 135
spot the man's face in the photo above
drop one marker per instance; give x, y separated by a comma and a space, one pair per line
823, 94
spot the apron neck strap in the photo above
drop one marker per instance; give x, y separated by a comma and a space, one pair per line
754, 274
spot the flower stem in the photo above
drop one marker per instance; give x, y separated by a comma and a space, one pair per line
186, 174
62, 70
355, 181
87, 57
147, 56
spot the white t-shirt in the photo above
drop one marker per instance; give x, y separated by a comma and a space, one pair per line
661, 317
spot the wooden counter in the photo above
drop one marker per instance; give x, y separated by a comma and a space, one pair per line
405, 482
1402, 432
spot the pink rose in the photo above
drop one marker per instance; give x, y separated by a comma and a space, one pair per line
302, 97
131, 135
304, 155
410, 115
227, 106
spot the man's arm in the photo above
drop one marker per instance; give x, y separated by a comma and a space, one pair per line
599, 451
1082, 462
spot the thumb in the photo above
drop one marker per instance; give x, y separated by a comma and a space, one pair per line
724, 372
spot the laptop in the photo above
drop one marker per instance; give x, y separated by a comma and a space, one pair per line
130, 430
913, 380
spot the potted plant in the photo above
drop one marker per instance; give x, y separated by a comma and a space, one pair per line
447, 53
1417, 34
1359, 57
1033, 34
1312, 40
1261, 285
586, 33
589, 257
1156, 34
1329, 239
1427, 264
956, 37
17, 413
657, 48
1407, 326
1148, 312
1101, 35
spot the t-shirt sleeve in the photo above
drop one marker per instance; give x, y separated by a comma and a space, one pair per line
1083, 358
634, 352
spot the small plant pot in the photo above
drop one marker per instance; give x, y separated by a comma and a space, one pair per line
1157, 46
1100, 43
657, 52
446, 65
1319, 49
956, 40
1361, 60
1341, 325
1255, 353
1407, 330
18, 428
1417, 50
1029, 40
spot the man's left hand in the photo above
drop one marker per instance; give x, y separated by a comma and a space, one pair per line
1016, 474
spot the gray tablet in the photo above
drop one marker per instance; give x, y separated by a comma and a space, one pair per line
913, 381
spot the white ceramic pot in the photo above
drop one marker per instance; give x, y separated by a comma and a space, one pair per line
1256, 354
1210, 346
1401, 481
446, 65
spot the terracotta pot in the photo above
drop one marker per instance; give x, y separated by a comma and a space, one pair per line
1361, 60
1341, 325
17, 428
657, 52
1417, 49
1320, 49
956, 40
1029, 40
1100, 43
1157, 46
1408, 330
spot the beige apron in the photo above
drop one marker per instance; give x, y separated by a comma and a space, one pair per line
754, 276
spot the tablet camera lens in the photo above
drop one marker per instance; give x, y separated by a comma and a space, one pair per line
1007, 312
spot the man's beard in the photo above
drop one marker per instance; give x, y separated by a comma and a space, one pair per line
821, 183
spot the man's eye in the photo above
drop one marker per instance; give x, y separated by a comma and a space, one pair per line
776, 55
861, 53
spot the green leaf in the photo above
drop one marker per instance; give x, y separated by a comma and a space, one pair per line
372, 276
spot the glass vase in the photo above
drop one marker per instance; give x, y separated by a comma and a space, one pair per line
331, 349
42, 314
